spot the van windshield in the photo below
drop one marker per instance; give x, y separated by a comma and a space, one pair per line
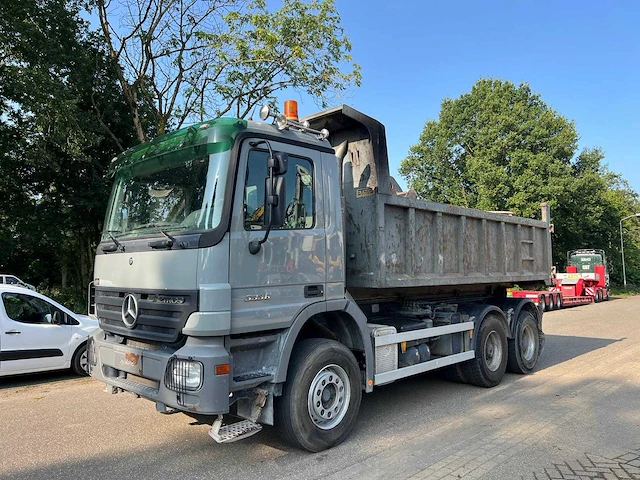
164, 195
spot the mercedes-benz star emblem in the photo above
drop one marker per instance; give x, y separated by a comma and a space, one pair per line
130, 310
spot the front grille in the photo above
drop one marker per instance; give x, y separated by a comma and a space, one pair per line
161, 314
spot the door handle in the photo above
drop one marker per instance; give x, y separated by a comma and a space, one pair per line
311, 291
13, 332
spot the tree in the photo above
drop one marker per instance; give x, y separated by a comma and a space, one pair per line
188, 59
501, 147
62, 120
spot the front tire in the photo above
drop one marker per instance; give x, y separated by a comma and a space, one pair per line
487, 369
320, 400
79, 362
524, 349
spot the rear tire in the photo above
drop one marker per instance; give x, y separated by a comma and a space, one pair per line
487, 369
550, 303
543, 303
320, 400
79, 361
524, 349
598, 296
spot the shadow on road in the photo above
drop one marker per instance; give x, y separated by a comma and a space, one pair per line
37, 379
562, 348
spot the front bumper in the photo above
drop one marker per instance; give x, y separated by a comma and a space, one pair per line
142, 371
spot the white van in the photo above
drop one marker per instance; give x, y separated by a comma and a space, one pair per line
38, 334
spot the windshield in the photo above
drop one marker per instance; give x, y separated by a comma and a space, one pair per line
161, 195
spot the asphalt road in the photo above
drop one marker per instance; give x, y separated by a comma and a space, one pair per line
584, 398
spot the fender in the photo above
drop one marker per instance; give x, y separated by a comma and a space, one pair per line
480, 311
517, 305
343, 305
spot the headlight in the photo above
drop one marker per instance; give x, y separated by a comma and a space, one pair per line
183, 375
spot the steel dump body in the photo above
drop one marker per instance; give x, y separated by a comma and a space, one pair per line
395, 241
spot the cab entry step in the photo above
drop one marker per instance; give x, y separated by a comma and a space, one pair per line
234, 431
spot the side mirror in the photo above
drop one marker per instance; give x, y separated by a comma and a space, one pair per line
275, 198
279, 162
274, 194
56, 319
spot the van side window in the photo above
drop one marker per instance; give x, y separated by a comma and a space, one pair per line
27, 309
300, 210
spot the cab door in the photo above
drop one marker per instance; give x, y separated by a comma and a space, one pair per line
269, 288
31, 341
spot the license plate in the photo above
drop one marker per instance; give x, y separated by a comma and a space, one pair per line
129, 361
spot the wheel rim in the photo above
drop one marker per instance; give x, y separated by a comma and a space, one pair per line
329, 396
493, 351
528, 344
84, 364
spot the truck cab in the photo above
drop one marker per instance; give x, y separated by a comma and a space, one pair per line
267, 271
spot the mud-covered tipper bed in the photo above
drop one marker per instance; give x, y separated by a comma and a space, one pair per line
271, 272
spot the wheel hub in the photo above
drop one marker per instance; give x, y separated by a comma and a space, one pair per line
493, 351
329, 395
527, 343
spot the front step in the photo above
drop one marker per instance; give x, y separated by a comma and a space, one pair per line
234, 431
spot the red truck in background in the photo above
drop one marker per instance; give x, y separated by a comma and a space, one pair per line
585, 281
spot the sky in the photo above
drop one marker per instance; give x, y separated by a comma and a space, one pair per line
582, 57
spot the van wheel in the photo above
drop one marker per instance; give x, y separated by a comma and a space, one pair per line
487, 369
320, 400
79, 362
524, 349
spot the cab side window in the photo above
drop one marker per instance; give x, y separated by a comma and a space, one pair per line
300, 207
27, 309
12, 280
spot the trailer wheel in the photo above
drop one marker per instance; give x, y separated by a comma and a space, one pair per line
543, 303
487, 369
524, 349
320, 400
550, 303
558, 301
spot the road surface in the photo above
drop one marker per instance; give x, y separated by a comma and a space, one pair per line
576, 416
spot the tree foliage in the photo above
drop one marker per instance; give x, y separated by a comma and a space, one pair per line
189, 59
501, 147
62, 119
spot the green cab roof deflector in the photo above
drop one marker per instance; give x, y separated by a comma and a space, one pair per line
212, 136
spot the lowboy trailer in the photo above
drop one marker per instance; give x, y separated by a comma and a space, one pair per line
586, 281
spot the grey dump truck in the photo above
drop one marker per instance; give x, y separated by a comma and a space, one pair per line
269, 272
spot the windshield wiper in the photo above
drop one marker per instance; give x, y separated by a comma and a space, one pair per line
166, 243
117, 245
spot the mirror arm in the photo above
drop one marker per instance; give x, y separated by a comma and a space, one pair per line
256, 245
